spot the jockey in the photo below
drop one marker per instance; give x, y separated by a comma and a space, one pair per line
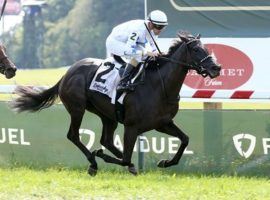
132, 41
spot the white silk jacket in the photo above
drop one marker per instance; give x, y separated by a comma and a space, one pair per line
131, 40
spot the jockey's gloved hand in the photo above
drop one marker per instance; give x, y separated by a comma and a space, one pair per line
152, 54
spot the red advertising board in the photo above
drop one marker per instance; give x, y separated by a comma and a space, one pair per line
237, 68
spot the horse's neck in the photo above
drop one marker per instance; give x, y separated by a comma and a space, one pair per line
175, 74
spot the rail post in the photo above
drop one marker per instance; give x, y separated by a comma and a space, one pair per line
213, 129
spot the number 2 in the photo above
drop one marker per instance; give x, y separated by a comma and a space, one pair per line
133, 36
99, 79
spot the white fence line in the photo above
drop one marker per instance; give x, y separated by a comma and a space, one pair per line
193, 94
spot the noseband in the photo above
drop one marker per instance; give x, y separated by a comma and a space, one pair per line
200, 68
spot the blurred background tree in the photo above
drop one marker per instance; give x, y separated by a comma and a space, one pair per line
68, 31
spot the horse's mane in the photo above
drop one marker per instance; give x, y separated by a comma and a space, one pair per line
177, 42
175, 45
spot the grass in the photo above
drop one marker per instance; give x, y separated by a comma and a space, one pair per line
58, 183
25, 183
37, 77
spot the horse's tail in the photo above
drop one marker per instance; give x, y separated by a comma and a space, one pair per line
32, 99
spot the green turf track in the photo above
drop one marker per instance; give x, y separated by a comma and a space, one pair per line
23, 183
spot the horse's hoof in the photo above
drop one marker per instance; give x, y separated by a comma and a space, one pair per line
162, 163
92, 171
133, 170
98, 153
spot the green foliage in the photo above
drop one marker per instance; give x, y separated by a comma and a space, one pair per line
58, 9
68, 31
82, 33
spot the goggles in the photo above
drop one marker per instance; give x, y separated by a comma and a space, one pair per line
159, 27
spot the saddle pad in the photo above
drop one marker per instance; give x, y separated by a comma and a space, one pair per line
106, 80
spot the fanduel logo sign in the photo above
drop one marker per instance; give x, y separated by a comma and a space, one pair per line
153, 144
13, 136
250, 141
238, 141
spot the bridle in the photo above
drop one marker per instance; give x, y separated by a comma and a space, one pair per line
195, 65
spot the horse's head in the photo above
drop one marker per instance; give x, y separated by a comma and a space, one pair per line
7, 67
199, 58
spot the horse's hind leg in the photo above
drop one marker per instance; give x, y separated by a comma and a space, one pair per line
106, 140
130, 137
73, 136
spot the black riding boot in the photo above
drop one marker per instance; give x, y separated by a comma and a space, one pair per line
123, 84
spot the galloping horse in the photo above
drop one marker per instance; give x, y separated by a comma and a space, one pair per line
6, 65
152, 105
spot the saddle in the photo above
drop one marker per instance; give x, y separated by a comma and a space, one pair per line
107, 78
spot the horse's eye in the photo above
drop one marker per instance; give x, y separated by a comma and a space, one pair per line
196, 49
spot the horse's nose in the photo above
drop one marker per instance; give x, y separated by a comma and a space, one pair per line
216, 67
13, 67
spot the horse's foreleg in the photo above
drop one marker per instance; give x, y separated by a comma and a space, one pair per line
73, 136
173, 130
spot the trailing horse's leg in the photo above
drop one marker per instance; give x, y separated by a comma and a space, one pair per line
173, 130
73, 136
106, 140
130, 137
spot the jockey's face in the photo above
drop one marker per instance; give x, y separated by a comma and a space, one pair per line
156, 28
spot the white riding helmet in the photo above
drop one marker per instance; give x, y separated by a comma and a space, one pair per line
158, 17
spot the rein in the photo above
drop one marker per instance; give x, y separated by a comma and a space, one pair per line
198, 67
164, 89
175, 61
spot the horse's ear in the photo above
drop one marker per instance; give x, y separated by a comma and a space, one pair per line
183, 38
198, 36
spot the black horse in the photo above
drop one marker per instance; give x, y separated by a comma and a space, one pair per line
7, 67
152, 105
